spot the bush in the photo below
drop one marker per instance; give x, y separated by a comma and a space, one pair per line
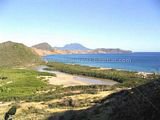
124, 77
10, 113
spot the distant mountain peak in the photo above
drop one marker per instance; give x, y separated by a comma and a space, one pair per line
74, 46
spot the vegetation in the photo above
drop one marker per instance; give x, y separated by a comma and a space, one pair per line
20, 83
126, 78
31, 86
11, 112
58, 92
15, 54
139, 103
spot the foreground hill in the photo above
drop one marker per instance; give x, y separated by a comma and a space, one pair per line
16, 54
140, 103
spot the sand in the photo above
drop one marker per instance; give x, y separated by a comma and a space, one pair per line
65, 80
73, 80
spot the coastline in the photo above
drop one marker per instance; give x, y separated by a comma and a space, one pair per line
67, 80
144, 74
109, 68
135, 62
138, 72
118, 69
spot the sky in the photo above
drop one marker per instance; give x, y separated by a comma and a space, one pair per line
126, 24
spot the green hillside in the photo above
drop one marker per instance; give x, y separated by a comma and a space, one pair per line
16, 54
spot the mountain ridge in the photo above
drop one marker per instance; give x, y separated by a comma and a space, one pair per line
76, 48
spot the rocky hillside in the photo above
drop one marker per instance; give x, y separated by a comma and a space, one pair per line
16, 54
140, 103
41, 52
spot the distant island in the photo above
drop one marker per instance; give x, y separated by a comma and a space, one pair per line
74, 48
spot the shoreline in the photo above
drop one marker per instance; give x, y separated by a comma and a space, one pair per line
131, 63
67, 80
144, 74
83, 72
109, 68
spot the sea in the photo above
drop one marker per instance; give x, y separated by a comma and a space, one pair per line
138, 62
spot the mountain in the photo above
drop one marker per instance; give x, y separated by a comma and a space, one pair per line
43, 49
43, 46
41, 52
139, 103
109, 51
73, 46
16, 54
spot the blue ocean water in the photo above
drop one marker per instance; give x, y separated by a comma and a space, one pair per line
144, 62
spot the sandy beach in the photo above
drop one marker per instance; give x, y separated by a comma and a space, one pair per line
72, 80
65, 80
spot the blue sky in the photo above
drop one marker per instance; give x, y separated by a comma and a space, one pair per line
126, 24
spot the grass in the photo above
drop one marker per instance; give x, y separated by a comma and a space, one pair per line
60, 92
24, 84
28, 85
20, 83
